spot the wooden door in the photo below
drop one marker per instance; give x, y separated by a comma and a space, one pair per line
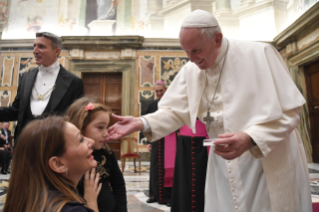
312, 82
107, 89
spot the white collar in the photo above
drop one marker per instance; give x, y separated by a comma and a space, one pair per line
222, 52
54, 67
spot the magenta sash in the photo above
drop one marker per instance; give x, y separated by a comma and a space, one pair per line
169, 158
170, 149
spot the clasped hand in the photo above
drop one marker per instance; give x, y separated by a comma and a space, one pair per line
232, 145
92, 188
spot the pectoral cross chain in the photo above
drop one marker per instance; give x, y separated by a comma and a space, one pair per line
208, 119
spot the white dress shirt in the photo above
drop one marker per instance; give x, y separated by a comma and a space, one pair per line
44, 82
6, 135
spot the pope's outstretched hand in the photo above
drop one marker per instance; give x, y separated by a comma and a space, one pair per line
124, 126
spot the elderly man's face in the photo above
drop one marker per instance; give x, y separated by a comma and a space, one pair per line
159, 90
200, 50
44, 53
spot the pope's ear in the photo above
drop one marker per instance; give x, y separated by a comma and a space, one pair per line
218, 39
57, 165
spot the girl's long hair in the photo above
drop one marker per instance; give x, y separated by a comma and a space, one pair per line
32, 182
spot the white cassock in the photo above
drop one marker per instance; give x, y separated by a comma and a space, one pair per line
256, 95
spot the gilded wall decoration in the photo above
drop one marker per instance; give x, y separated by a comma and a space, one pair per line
5, 98
25, 64
34, 23
4, 10
170, 66
147, 69
30, 16
7, 71
145, 99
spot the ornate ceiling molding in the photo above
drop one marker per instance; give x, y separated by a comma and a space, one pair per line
305, 56
300, 28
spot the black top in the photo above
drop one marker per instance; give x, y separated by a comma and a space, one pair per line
153, 107
75, 207
112, 197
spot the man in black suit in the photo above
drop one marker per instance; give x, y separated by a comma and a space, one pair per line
5, 135
48, 89
5, 148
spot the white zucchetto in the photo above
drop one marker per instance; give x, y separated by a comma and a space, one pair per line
199, 19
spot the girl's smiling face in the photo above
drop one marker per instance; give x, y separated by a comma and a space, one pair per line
97, 129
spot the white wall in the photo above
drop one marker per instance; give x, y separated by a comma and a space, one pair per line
20, 12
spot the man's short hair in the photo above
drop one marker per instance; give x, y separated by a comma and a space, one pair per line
56, 40
210, 31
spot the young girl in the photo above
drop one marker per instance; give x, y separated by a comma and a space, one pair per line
93, 120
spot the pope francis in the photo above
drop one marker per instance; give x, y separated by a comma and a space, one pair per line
244, 94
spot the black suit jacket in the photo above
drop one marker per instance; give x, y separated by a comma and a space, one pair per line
153, 107
2, 141
68, 88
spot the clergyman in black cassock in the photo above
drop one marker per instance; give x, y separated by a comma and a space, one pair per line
188, 193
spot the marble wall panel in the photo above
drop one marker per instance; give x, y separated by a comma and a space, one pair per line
62, 61
5, 98
145, 99
25, 64
170, 66
308, 39
147, 69
7, 71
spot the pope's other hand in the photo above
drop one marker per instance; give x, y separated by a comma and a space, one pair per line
232, 145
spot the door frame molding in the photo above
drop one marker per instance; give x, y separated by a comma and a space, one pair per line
78, 67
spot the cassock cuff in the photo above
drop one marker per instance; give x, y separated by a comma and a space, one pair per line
147, 129
146, 125
255, 151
